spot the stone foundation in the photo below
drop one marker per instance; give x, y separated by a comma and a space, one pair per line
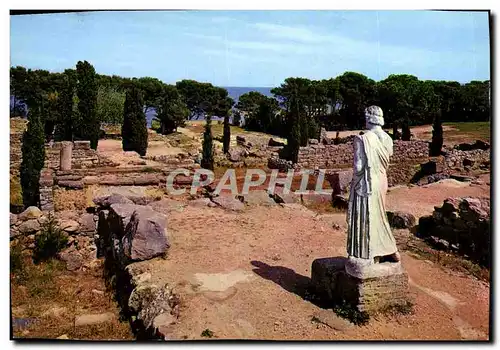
382, 287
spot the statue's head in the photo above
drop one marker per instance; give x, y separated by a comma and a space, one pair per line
374, 116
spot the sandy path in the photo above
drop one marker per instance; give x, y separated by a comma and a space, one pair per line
245, 276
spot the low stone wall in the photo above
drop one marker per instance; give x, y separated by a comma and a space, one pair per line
83, 156
472, 159
79, 231
331, 156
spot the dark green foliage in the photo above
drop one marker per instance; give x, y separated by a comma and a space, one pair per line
50, 241
349, 312
294, 136
207, 333
204, 98
152, 91
33, 151
336, 103
64, 126
88, 125
262, 113
207, 160
437, 137
237, 118
16, 259
227, 135
171, 110
134, 128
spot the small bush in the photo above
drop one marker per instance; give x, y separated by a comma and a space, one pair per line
50, 241
349, 312
207, 333
16, 259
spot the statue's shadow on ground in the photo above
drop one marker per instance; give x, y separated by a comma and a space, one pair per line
290, 281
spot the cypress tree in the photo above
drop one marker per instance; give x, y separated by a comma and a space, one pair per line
89, 124
207, 160
227, 135
65, 125
294, 136
134, 128
437, 137
33, 151
406, 132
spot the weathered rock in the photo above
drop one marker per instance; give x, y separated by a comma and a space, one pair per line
69, 225
14, 232
234, 155
146, 235
69, 178
29, 226
87, 223
228, 202
272, 142
146, 179
141, 200
72, 258
183, 180
13, 219
149, 301
199, 203
106, 201
30, 213
91, 180
258, 197
119, 217
90, 319
401, 219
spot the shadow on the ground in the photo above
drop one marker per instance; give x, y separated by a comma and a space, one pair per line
289, 280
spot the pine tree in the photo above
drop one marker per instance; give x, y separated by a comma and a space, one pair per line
227, 135
134, 128
437, 137
88, 125
207, 160
33, 152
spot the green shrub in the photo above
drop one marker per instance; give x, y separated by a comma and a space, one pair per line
16, 259
207, 333
349, 312
50, 241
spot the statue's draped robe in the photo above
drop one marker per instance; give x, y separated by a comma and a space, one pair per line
369, 234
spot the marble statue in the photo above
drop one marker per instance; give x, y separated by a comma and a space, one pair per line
369, 234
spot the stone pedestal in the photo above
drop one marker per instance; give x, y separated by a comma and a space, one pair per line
366, 286
66, 155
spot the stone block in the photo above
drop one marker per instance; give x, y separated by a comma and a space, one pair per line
76, 185
81, 145
367, 287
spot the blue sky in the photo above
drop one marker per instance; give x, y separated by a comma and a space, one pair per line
258, 48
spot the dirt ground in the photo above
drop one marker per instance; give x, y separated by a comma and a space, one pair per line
452, 134
245, 275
